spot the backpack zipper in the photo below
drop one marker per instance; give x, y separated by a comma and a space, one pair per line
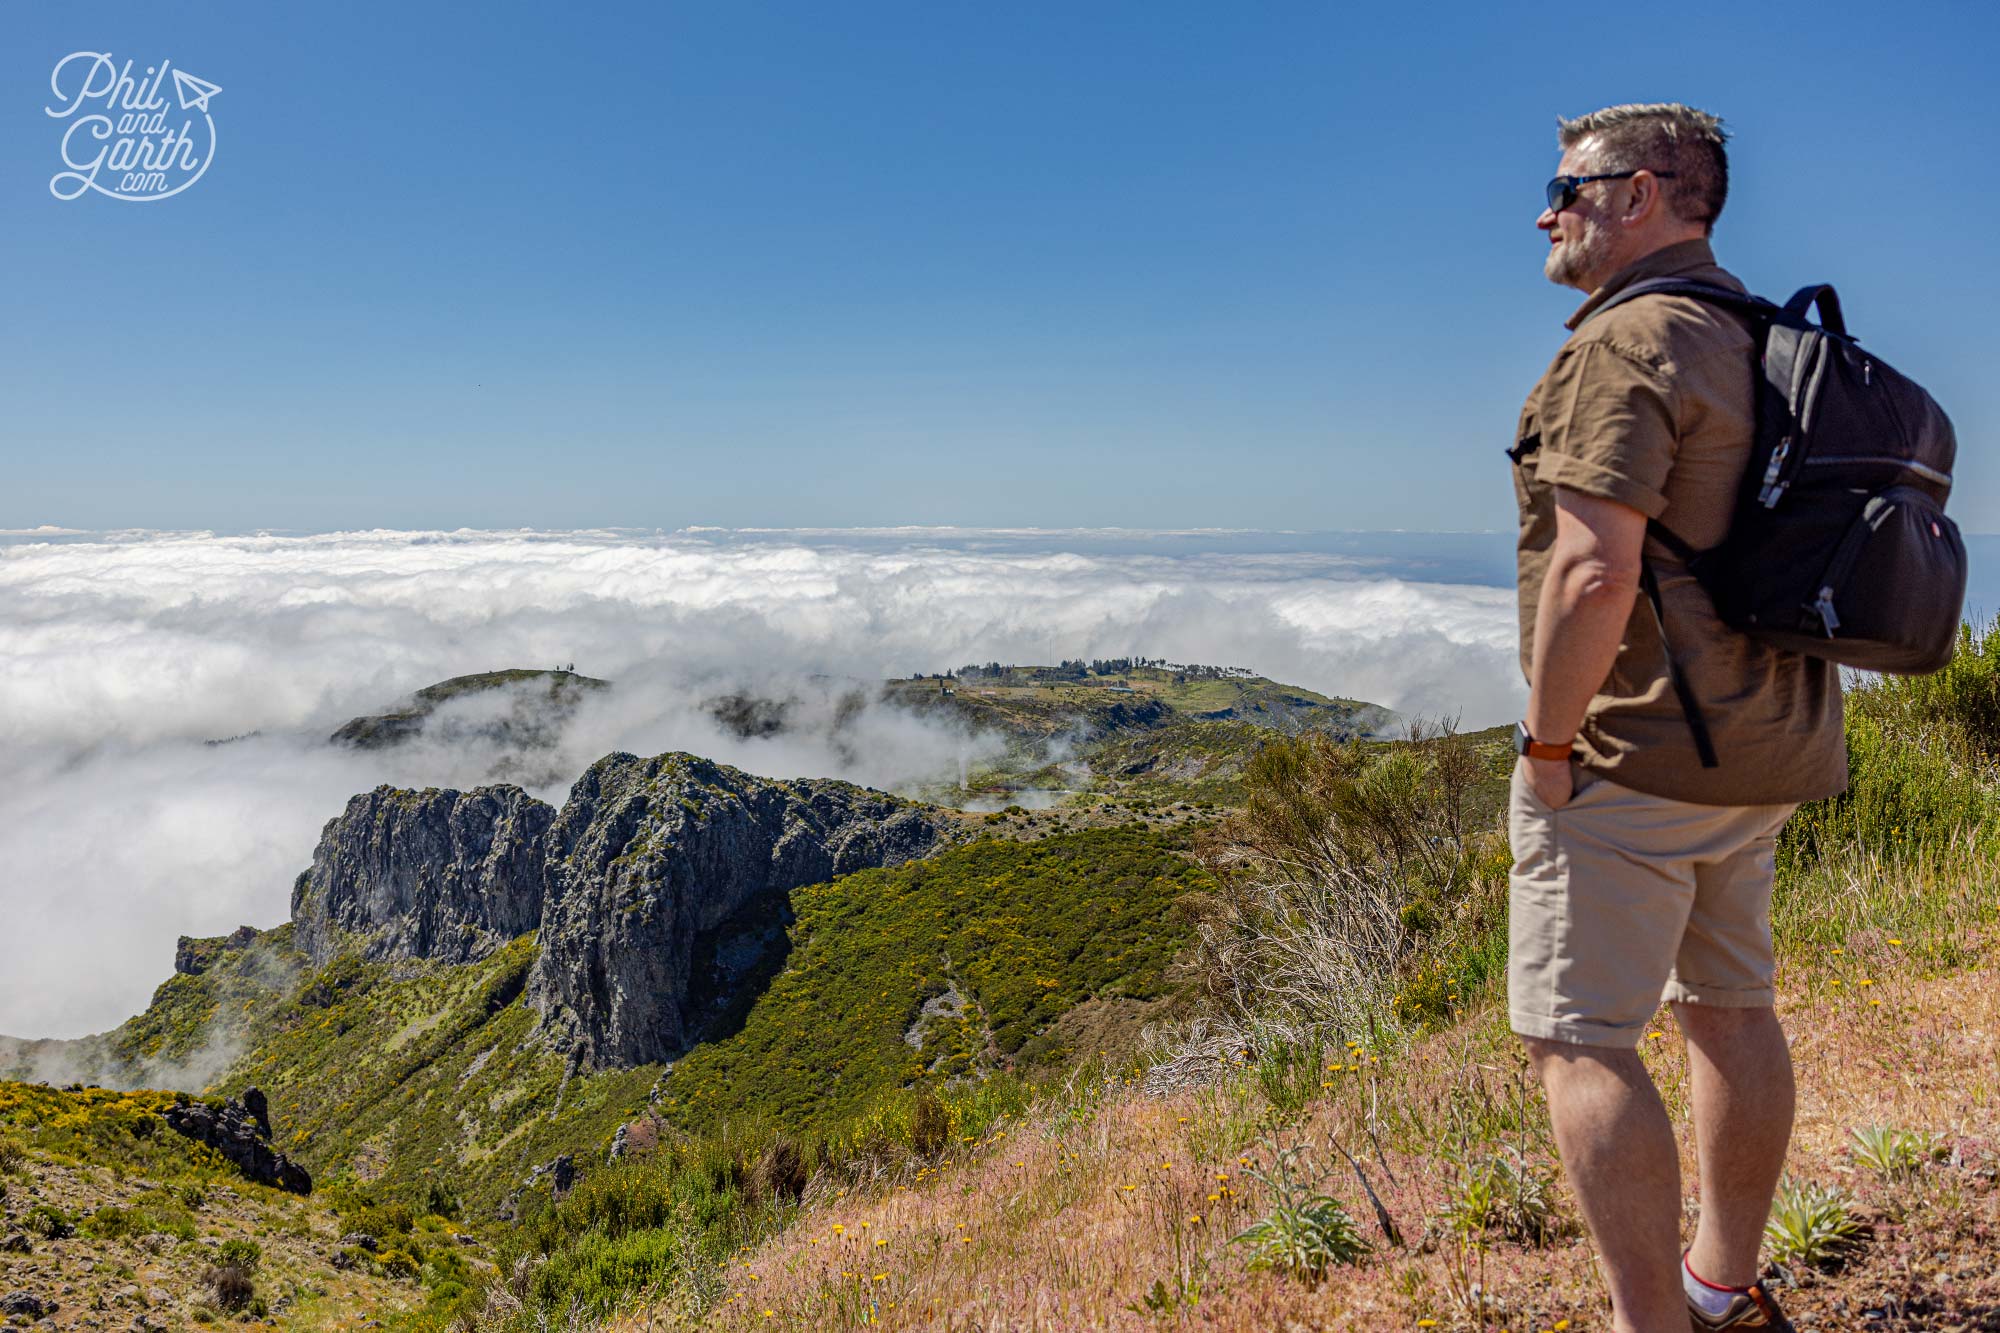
1771, 491
1806, 377
1923, 470
1877, 512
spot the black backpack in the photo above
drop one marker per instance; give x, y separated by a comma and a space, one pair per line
1839, 546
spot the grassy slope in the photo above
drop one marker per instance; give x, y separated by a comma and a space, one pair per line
395, 1075
1115, 1210
1104, 1207
1011, 936
408, 1074
391, 1074
146, 1208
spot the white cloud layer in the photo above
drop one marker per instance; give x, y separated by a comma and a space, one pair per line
121, 654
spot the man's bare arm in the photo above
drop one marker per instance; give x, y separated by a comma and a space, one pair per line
1586, 600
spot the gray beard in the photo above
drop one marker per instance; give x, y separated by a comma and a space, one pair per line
1570, 260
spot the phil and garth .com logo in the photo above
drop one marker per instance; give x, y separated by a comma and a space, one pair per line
125, 139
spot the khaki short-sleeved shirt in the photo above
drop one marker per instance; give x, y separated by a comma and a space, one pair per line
1651, 405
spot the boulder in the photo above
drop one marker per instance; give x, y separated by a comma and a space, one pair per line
21, 1303
241, 1132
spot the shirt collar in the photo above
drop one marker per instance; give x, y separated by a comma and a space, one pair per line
1680, 257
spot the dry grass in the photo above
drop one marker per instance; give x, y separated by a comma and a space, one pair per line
1118, 1214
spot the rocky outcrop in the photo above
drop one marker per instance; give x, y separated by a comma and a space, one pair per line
432, 874
241, 1132
194, 956
651, 858
25, 1305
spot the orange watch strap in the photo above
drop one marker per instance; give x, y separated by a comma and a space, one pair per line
1546, 750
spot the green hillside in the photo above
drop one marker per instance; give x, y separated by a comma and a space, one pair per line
982, 957
1119, 731
398, 1076
111, 1219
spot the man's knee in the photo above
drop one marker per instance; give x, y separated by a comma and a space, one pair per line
1552, 1060
1705, 1023
1540, 1050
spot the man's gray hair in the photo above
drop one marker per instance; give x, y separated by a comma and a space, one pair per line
1660, 136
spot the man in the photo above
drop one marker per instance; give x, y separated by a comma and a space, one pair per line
1640, 874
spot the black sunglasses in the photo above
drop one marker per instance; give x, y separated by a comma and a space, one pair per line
1562, 190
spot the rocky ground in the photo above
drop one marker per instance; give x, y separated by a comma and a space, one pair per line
164, 1279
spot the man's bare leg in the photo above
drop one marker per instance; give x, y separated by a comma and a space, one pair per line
1619, 1152
1741, 1070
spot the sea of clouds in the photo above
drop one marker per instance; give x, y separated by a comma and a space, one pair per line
122, 656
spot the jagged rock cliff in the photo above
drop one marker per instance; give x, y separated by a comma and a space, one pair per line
657, 889
652, 857
433, 874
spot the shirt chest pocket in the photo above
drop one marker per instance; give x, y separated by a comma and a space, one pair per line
1527, 444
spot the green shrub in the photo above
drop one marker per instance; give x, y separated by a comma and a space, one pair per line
49, 1222
240, 1252
598, 1272
108, 1222
383, 1219
441, 1200
1289, 1073
1921, 753
1959, 707
397, 1264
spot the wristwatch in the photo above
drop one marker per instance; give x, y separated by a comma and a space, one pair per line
1534, 749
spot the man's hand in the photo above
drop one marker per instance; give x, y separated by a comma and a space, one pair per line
1587, 596
1551, 779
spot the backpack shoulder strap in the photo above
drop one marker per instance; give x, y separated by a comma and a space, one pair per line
1756, 307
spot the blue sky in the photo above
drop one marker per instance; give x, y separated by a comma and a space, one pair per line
1149, 265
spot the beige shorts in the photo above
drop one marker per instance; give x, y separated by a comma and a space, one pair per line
1619, 901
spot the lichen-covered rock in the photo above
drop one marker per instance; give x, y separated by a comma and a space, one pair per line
241, 1132
424, 874
652, 857
26, 1305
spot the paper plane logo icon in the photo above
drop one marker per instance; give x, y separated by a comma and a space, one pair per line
194, 93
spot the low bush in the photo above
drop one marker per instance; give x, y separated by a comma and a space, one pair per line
1355, 888
232, 1286
1922, 754
49, 1222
